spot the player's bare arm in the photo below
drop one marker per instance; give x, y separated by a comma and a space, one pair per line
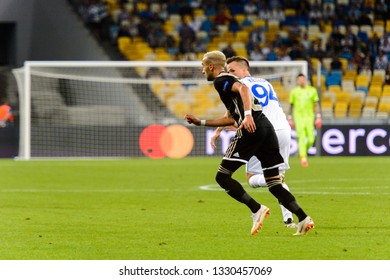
218, 131
246, 97
224, 121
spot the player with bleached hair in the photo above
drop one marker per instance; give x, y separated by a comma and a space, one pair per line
255, 136
264, 92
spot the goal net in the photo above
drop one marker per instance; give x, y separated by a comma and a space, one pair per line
96, 109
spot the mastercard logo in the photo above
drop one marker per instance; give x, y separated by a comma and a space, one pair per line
159, 141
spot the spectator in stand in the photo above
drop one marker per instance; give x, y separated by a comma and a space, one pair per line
200, 46
171, 45
250, 8
349, 41
257, 35
214, 32
223, 16
156, 38
353, 14
124, 29
335, 64
315, 15
265, 14
129, 28
336, 33
387, 76
256, 54
195, 4
297, 52
385, 47
371, 47
266, 49
364, 19
186, 46
381, 61
316, 50
271, 53
274, 4
333, 45
97, 19
365, 65
328, 14
283, 53
355, 60
246, 22
278, 14
6, 115
384, 44
234, 26
123, 15
303, 9
228, 51
207, 25
278, 41
339, 15
295, 30
381, 10
306, 42
187, 36
195, 23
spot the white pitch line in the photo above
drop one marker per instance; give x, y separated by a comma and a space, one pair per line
215, 187
83, 191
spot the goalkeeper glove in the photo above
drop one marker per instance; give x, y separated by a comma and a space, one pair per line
318, 121
290, 121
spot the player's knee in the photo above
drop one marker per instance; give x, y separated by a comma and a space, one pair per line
274, 181
257, 181
222, 179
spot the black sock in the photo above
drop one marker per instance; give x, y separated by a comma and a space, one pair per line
288, 201
235, 190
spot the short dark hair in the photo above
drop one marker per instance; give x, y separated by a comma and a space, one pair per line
238, 59
300, 75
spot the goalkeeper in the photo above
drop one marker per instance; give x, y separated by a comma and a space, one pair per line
304, 104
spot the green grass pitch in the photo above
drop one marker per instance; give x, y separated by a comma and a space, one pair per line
144, 209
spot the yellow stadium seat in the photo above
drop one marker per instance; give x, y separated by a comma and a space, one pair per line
355, 107
384, 105
259, 23
363, 78
344, 63
386, 90
371, 101
123, 43
340, 109
375, 91
377, 79
242, 36
289, 12
326, 102
350, 75
343, 96
334, 88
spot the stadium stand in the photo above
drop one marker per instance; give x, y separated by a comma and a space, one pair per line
156, 32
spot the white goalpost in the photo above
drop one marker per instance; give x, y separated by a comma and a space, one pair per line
99, 109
